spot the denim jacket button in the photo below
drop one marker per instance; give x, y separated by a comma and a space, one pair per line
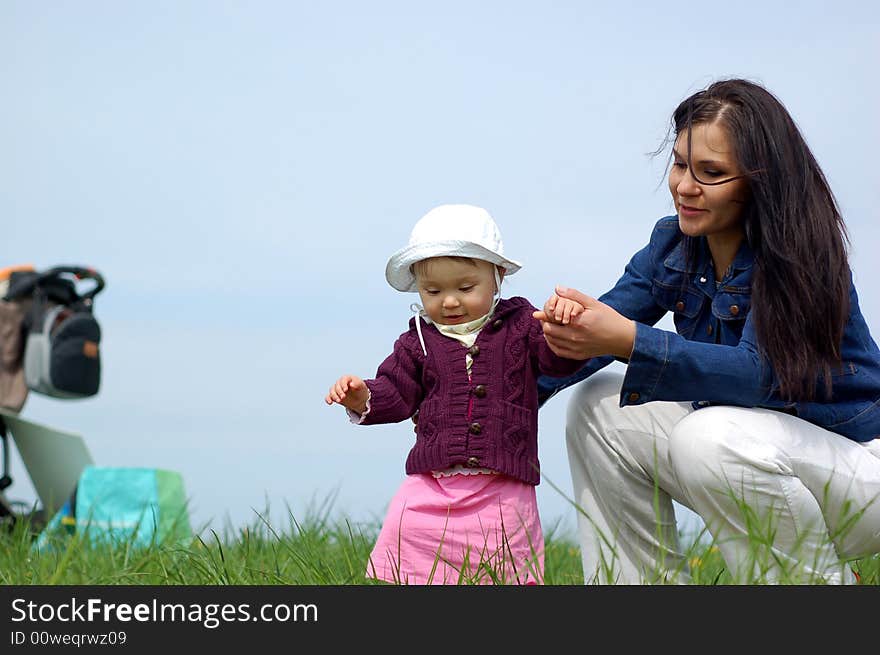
633, 397
734, 309
679, 305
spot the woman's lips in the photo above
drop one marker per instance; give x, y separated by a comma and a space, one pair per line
689, 212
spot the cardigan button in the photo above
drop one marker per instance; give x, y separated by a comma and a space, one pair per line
480, 391
475, 428
734, 309
474, 350
634, 396
473, 462
679, 306
496, 325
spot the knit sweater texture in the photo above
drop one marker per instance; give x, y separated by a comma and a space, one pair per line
488, 421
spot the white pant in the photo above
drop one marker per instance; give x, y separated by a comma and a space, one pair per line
811, 496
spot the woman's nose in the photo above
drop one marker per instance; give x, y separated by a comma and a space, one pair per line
688, 185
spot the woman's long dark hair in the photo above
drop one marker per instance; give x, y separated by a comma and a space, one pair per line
801, 276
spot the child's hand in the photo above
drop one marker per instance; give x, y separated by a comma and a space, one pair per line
351, 392
560, 310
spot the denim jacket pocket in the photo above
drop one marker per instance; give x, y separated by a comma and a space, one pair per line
684, 303
731, 305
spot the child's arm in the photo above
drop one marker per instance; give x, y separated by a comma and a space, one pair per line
351, 392
393, 395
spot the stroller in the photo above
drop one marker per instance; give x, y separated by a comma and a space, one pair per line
49, 344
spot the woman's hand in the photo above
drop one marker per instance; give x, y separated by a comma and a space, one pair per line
598, 330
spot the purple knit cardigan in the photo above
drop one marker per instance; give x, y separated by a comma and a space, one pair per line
488, 421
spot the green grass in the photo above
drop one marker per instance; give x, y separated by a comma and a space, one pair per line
313, 551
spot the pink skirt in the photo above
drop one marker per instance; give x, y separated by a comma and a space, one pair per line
460, 529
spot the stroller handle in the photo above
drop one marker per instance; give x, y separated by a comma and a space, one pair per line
80, 273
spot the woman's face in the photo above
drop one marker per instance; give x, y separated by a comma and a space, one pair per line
705, 209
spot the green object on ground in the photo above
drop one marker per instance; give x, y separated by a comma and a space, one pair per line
136, 505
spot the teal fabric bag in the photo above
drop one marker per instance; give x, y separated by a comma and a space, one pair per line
140, 506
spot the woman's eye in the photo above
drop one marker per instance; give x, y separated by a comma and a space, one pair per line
679, 164
713, 173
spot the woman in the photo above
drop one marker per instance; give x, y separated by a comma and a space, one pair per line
762, 412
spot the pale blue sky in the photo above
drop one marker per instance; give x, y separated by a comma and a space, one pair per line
241, 171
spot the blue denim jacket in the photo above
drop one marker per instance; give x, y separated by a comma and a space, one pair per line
713, 358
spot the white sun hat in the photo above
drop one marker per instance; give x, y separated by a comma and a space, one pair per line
449, 231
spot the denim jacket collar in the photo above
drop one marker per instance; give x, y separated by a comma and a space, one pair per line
701, 271
677, 259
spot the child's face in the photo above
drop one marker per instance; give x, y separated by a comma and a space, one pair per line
454, 289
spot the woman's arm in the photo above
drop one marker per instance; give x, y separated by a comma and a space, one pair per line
631, 297
663, 365
666, 366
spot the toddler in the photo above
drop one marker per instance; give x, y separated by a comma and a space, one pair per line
465, 371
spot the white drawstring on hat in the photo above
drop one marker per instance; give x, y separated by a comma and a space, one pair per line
419, 311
